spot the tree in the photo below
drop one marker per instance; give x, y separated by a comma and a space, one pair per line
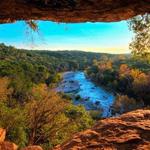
124, 70
41, 112
140, 45
51, 119
141, 86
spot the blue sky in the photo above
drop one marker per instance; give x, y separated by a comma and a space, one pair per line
98, 37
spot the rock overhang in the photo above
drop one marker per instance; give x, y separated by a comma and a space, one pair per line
69, 11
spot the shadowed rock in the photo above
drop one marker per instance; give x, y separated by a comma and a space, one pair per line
72, 10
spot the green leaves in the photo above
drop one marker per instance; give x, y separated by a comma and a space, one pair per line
13, 120
140, 44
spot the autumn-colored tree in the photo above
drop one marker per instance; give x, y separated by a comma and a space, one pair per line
124, 70
51, 118
140, 85
104, 65
41, 112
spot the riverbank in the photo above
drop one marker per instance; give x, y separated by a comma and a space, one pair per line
68, 85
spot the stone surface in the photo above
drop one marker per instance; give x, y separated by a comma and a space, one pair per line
2, 134
8, 146
34, 147
72, 10
130, 131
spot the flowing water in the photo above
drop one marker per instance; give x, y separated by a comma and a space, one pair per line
86, 93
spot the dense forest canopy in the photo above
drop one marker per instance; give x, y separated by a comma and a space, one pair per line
26, 67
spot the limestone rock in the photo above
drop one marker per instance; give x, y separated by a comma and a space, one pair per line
130, 131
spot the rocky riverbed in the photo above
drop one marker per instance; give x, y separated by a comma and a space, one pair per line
86, 93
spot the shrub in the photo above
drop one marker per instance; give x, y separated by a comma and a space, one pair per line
124, 104
12, 119
96, 114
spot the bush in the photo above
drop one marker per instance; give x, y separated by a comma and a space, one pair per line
124, 104
66, 96
96, 114
79, 116
12, 119
52, 119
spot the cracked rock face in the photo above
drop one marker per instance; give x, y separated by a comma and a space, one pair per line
72, 10
130, 131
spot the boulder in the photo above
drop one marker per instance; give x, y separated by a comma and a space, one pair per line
130, 131
8, 146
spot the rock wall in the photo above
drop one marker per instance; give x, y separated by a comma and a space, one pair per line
72, 10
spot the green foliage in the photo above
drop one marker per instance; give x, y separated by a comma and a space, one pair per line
53, 78
79, 116
66, 96
26, 68
21, 88
13, 120
72, 120
140, 45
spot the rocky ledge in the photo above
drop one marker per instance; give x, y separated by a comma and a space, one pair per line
130, 131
